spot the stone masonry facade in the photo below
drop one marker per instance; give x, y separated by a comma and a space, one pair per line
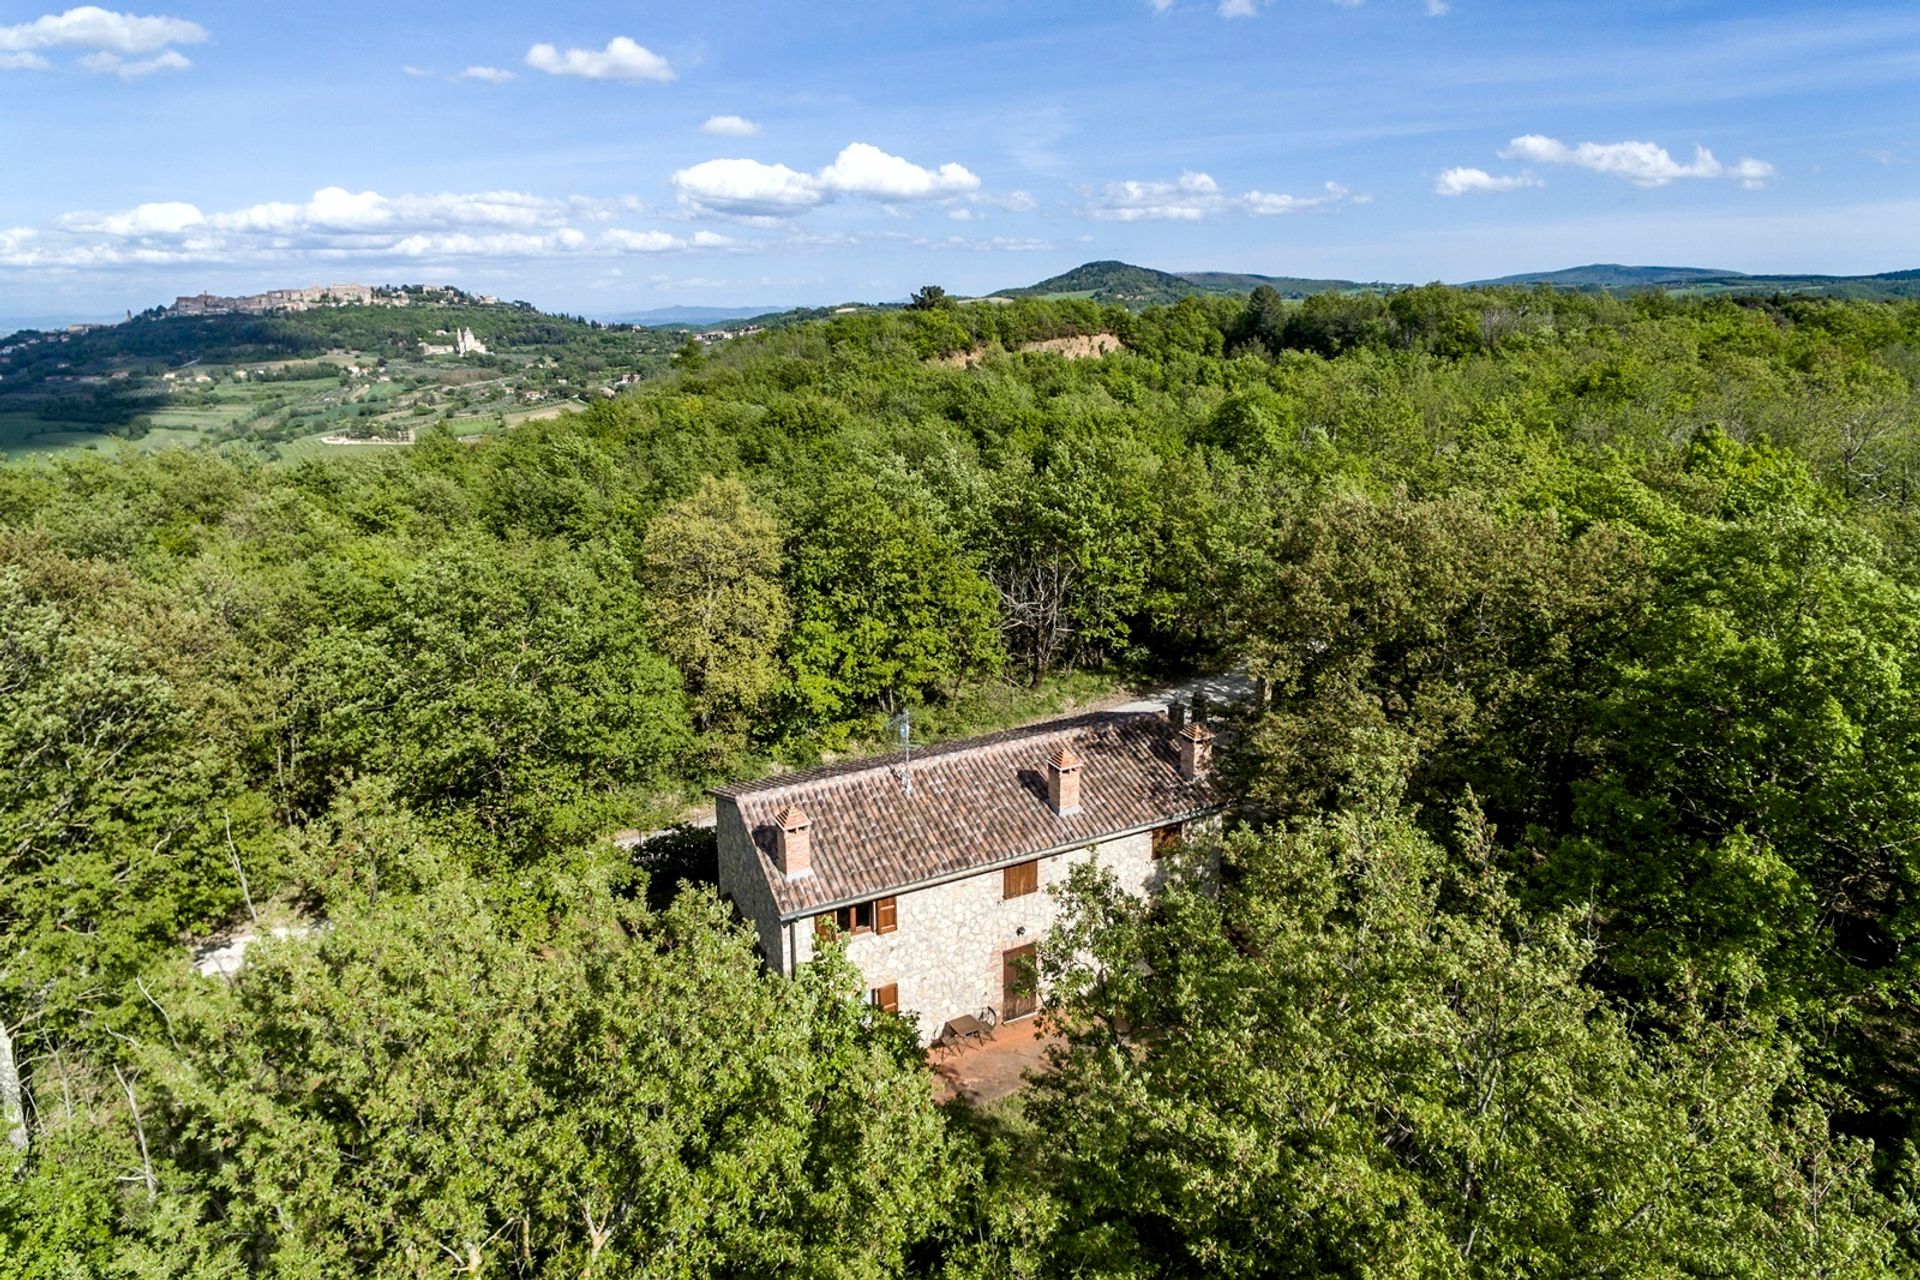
946, 953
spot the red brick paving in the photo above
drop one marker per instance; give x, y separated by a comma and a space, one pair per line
989, 1070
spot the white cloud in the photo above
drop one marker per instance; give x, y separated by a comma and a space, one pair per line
91, 27
1236, 8
1644, 164
642, 241
1190, 198
622, 59
964, 214
1438, 8
1194, 197
164, 218
741, 188
730, 127
122, 44
1266, 204
1464, 181
661, 241
747, 188
865, 170
336, 223
488, 75
418, 73
133, 68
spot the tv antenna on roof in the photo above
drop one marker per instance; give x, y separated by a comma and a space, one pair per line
904, 723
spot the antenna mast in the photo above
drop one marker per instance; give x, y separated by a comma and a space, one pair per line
904, 723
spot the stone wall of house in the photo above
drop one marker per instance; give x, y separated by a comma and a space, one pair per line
742, 880
947, 953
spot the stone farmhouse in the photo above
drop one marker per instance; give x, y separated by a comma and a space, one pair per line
937, 871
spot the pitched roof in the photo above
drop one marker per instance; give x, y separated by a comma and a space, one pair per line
975, 804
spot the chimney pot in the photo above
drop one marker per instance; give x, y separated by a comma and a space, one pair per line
795, 842
1177, 715
1063, 781
1196, 751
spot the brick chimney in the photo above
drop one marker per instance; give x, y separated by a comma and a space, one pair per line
795, 843
1177, 715
1063, 781
1196, 750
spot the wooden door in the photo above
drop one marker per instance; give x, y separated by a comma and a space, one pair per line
1017, 998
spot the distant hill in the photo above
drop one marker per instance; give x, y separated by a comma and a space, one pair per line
1128, 285
1612, 275
1108, 281
666, 316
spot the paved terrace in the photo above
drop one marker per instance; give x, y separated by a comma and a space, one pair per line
991, 1069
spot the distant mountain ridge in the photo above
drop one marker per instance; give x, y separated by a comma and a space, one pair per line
1109, 281
1129, 285
1612, 275
663, 316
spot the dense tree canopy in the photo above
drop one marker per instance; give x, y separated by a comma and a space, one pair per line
1568, 925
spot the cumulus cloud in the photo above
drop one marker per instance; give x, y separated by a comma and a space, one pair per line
747, 188
1236, 8
135, 68
487, 75
1266, 204
123, 44
1464, 182
865, 170
1189, 198
661, 241
730, 127
418, 73
1193, 197
622, 59
751, 189
1644, 164
91, 27
1438, 8
335, 223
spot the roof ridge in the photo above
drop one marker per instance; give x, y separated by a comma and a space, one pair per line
1037, 731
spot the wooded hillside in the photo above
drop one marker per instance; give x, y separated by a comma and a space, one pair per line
1570, 931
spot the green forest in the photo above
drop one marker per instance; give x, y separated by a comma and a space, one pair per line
1567, 924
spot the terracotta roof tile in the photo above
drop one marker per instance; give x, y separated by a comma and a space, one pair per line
975, 803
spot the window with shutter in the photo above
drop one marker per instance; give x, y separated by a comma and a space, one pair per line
1020, 880
887, 997
862, 917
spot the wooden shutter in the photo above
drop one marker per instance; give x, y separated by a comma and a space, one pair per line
1020, 879
886, 915
887, 997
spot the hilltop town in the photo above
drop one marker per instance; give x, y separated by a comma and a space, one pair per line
323, 295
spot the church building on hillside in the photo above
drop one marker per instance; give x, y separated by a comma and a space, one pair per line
936, 870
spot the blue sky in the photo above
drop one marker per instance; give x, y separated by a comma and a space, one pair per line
602, 158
